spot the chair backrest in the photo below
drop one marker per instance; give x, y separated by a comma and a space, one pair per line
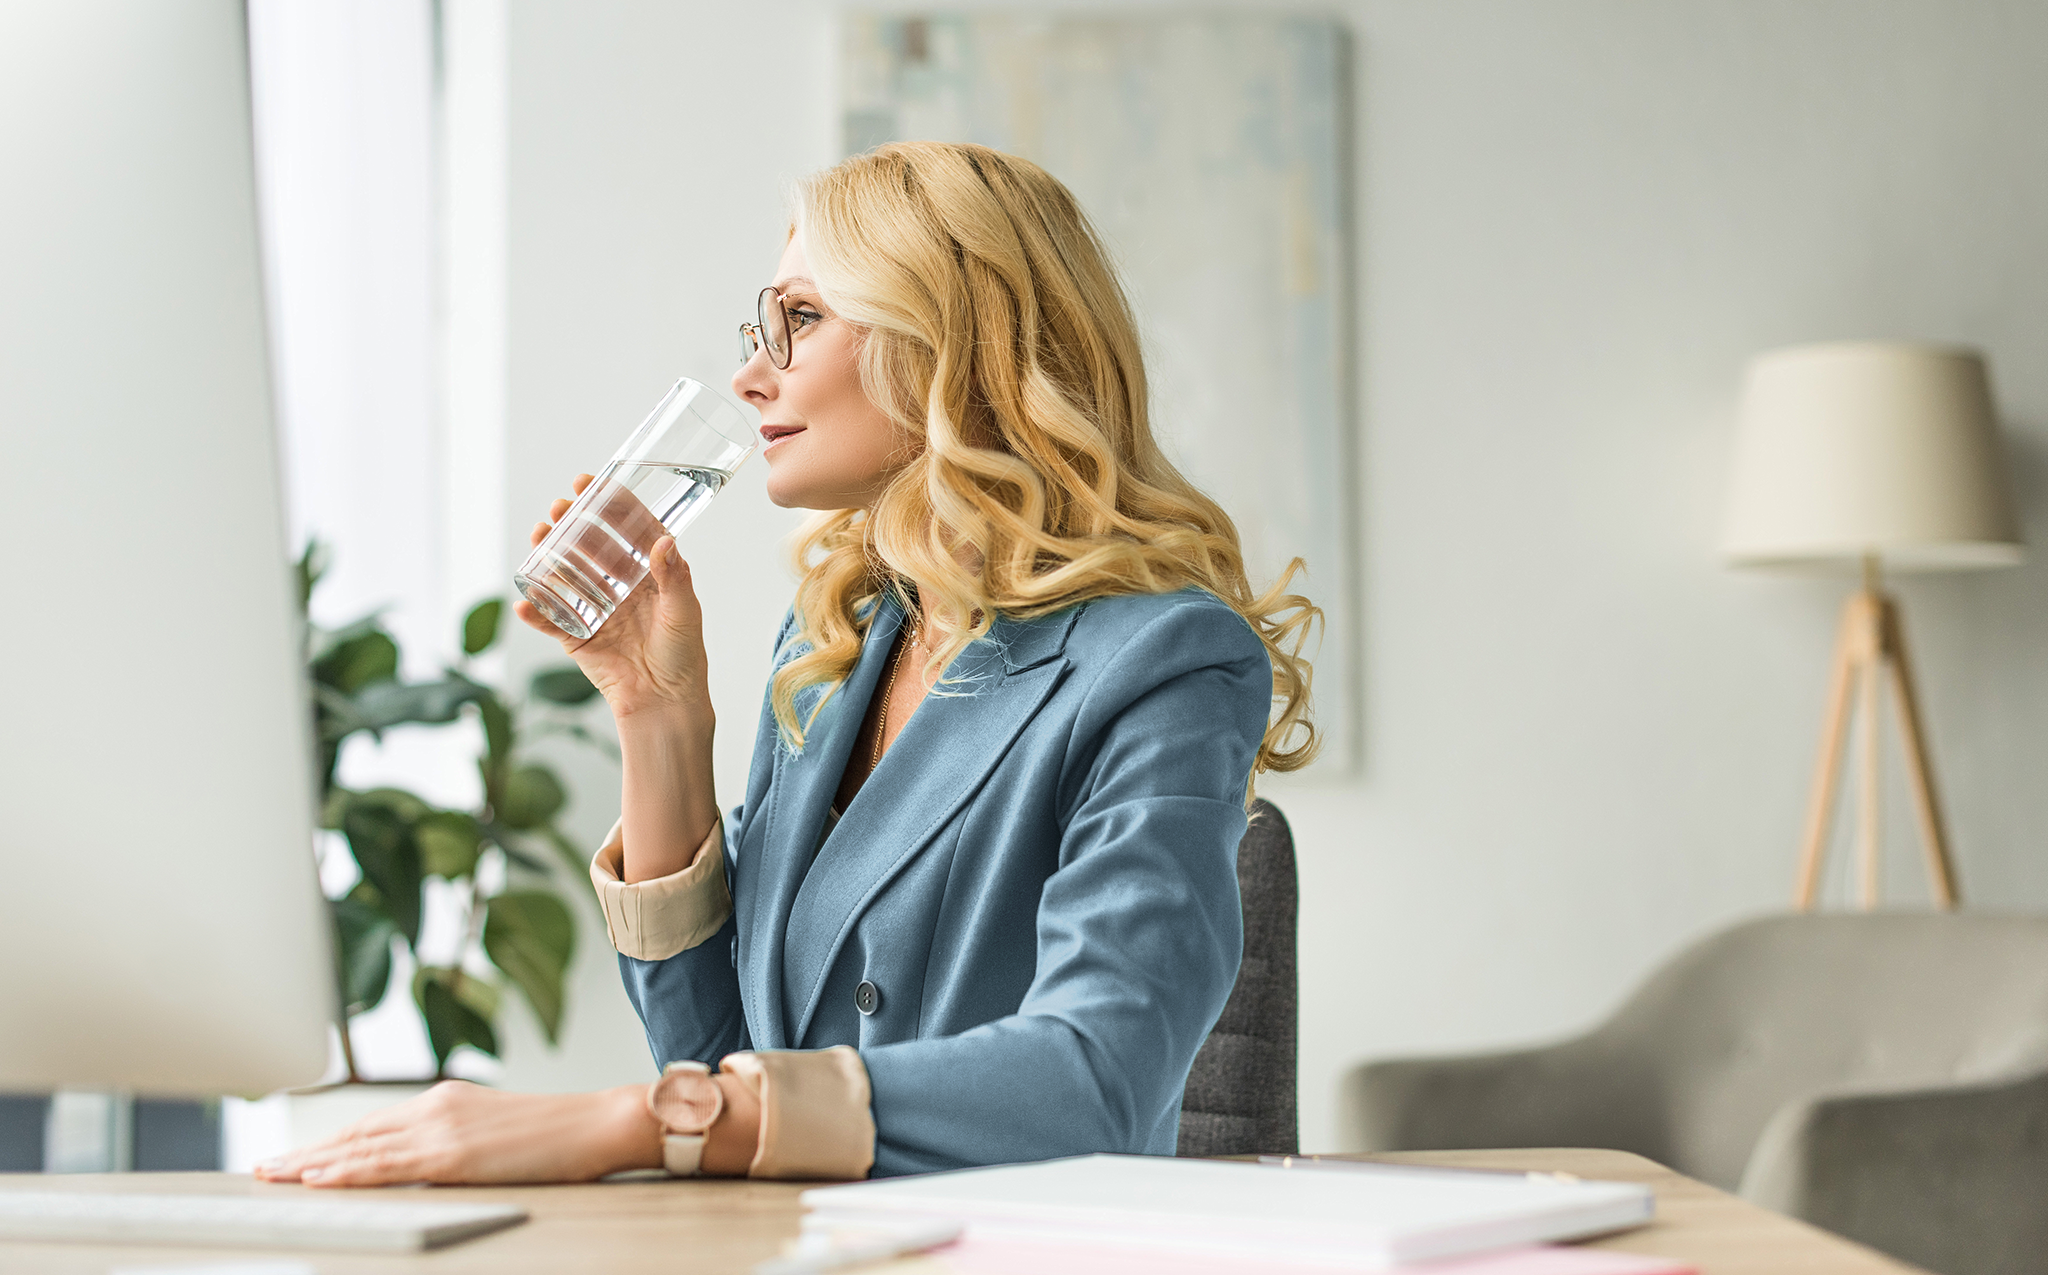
1782, 1008
1240, 1095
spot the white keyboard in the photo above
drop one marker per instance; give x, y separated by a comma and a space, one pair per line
245, 1221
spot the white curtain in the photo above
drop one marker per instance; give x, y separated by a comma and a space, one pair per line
344, 94
380, 165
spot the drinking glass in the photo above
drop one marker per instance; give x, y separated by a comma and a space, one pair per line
655, 485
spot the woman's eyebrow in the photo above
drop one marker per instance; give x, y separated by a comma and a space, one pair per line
795, 281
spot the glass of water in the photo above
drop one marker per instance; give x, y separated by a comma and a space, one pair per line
655, 485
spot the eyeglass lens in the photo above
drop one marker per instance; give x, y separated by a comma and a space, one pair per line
774, 327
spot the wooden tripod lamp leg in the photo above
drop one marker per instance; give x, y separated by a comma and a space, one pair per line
1869, 795
1926, 802
1833, 727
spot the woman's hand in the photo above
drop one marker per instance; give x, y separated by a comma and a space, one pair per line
460, 1132
648, 662
650, 654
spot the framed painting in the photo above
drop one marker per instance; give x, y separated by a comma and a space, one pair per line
1210, 150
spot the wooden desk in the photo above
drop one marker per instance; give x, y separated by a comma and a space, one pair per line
719, 1226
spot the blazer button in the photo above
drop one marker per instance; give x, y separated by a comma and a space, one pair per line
867, 998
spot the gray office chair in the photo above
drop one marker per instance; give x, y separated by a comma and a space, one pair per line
164, 1134
1240, 1095
1884, 1076
22, 1117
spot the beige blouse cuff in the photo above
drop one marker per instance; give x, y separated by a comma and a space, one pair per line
654, 920
815, 1117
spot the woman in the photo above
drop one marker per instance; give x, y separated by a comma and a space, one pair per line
980, 903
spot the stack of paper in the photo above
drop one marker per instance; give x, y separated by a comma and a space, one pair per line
1180, 1214
1021, 1257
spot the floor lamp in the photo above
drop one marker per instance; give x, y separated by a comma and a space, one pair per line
1873, 455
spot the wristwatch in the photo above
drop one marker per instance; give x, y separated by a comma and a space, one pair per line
685, 1102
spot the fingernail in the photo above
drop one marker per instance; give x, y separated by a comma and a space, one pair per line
307, 1175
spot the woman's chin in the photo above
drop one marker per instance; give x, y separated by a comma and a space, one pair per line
795, 495
791, 491
785, 495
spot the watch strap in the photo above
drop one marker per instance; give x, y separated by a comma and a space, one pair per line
682, 1153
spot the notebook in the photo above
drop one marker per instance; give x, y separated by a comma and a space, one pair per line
1327, 1217
983, 1256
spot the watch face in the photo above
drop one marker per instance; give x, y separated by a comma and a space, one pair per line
686, 1101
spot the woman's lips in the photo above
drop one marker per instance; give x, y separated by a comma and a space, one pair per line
773, 434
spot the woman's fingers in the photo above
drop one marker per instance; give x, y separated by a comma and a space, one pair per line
530, 616
412, 1141
378, 1131
556, 510
390, 1153
290, 1167
458, 1133
679, 605
385, 1161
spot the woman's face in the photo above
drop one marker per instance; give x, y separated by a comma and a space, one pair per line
827, 445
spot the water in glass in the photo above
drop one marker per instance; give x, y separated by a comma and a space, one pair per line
603, 544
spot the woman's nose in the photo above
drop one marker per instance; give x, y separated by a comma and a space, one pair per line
755, 381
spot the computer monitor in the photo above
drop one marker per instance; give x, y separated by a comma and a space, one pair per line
160, 923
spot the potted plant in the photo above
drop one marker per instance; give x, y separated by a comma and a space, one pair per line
519, 928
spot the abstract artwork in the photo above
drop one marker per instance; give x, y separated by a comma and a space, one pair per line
1210, 151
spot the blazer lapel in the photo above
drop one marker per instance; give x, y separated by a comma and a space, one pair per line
802, 795
949, 746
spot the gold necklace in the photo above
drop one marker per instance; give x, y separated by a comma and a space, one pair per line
895, 662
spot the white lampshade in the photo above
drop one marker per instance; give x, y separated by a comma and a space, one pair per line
1869, 447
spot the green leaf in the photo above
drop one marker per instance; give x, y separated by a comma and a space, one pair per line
357, 662
479, 994
498, 731
311, 566
509, 841
389, 704
480, 626
364, 949
572, 854
498, 738
532, 796
562, 684
530, 935
334, 807
451, 1002
449, 843
397, 800
382, 841
326, 640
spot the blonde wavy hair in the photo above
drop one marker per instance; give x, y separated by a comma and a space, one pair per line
999, 342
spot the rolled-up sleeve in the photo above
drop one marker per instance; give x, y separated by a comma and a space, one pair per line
654, 920
815, 1117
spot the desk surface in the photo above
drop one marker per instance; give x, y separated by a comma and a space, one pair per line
726, 1226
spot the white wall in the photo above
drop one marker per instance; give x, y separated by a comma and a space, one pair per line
1585, 742
649, 146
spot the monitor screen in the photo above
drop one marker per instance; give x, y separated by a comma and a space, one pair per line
160, 922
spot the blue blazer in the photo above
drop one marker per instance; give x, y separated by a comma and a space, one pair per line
1027, 921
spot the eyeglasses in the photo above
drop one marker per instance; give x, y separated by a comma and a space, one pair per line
772, 331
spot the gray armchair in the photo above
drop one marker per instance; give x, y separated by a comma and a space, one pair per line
1240, 1094
1884, 1076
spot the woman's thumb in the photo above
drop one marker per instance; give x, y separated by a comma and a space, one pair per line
666, 563
672, 574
